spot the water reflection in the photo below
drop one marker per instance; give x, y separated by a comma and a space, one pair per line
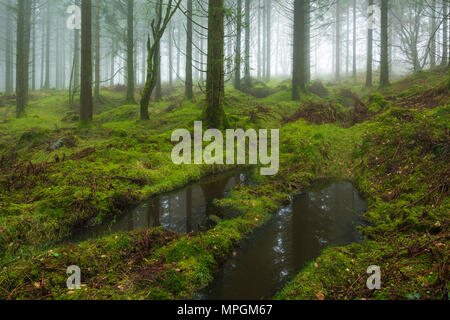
325, 215
182, 211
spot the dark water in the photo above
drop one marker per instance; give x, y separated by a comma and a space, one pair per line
325, 215
182, 211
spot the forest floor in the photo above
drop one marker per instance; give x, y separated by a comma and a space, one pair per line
57, 177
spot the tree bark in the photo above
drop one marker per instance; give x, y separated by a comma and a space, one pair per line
47, 48
445, 33
338, 40
354, 40
86, 99
247, 45
268, 41
189, 92
9, 58
299, 49
130, 52
97, 51
237, 56
215, 87
23, 54
384, 64
369, 81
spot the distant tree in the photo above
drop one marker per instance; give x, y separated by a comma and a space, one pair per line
237, 52
189, 92
158, 26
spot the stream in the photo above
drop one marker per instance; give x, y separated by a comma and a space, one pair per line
190, 209
326, 214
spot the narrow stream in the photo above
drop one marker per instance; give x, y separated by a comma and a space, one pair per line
183, 211
325, 215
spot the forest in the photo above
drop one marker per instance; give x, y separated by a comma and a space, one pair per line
334, 183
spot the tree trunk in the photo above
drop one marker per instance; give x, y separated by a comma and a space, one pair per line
76, 58
445, 34
9, 51
338, 40
97, 51
247, 45
170, 55
33, 57
354, 40
86, 99
268, 41
237, 63
433, 34
47, 48
259, 40
384, 64
299, 49
215, 87
23, 54
130, 49
369, 81
189, 82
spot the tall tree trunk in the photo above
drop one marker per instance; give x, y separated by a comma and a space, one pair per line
347, 43
9, 58
433, 34
247, 45
33, 57
268, 41
369, 81
299, 49
23, 54
384, 62
354, 40
47, 47
97, 51
130, 51
170, 40
215, 87
57, 57
179, 49
445, 33
189, 92
338, 40
76, 58
237, 63
86, 99
158, 88
308, 41
259, 39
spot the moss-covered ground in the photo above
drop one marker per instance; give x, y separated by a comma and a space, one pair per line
56, 177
